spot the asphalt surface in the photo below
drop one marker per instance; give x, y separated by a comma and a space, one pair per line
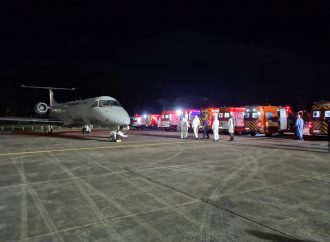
154, 186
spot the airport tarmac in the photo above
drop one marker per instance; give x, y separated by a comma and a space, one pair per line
154, 186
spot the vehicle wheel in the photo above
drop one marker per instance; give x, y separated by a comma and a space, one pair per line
253, 134
112, 139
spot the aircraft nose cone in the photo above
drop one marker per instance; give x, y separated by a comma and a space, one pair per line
122, 118
126, 120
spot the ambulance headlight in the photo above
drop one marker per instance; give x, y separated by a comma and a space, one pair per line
179, 112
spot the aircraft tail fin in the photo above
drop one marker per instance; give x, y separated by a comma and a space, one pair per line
52, 101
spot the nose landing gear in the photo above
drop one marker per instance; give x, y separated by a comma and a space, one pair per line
86, 128
114, 135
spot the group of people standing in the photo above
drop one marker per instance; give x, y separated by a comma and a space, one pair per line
184, 126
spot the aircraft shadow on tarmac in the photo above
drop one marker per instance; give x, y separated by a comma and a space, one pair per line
62, 134
163, 136
275, 237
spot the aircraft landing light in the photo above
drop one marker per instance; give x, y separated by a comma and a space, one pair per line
96, 148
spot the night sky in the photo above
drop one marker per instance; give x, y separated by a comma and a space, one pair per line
161, 55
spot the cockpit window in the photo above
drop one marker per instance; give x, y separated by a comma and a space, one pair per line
115, 103
105, 103
109, 103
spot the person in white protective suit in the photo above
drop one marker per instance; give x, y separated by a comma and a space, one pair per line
184, 125
231, 126
215, 128
195, 126
159, 123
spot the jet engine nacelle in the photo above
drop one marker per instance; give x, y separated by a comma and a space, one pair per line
41, 108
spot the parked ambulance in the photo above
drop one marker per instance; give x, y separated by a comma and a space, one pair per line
261, 119
238, 115
170, 119
318, 125
139, 121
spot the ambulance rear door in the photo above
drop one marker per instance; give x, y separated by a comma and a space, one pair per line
283, 121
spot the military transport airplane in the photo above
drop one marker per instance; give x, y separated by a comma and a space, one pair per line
102, 111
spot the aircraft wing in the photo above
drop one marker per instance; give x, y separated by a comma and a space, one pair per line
16, 120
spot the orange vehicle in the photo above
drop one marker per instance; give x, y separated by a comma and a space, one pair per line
209, 114
318, 125
261, 119
170, 119
151, 120
238, 115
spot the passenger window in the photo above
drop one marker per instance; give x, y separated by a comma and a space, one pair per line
316, 114
166, 116
226, 115
327, 114
247, 115
220, 115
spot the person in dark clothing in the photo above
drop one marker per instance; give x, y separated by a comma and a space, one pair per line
206, 129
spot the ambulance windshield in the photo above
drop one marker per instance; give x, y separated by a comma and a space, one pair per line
251, 115
254, 115
316, 114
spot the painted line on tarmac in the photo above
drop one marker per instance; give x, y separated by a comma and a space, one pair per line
96, 148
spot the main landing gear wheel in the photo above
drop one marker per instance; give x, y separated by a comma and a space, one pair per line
49, 129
